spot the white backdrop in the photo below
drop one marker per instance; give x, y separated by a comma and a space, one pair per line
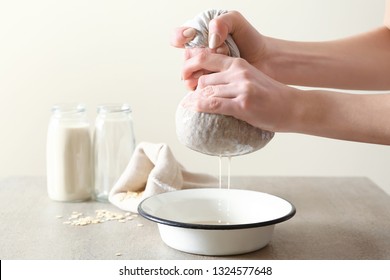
101, 51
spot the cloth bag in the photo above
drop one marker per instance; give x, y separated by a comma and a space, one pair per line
213, 134
201, 24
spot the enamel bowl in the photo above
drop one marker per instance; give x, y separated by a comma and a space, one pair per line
212, 221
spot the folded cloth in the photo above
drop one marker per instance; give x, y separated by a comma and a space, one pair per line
151, 170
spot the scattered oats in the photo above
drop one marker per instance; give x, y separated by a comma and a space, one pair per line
140, 225
130, 194
75, 215
82, 221
67, 223
58, 216
118, 254
101, 216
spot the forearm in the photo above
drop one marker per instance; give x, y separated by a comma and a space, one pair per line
359, 62
354, 117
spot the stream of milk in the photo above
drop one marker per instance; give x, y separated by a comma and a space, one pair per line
227, 203
228, 172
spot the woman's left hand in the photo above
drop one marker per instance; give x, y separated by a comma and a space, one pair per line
236, 88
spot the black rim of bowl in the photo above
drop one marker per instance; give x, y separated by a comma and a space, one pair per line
215, 226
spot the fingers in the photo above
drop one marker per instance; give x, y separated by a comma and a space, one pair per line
223, 49
203, 101
181, 36
215, 105
220, 27
191, 52
218, 32
192, 82
201, 80
206, 61
206, 68
223, 91
213, 79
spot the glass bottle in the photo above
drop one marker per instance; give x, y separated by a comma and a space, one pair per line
69, 154
114, 144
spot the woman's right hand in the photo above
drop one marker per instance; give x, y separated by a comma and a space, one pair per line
250, 42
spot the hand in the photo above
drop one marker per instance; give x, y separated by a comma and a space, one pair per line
251, 44
238, 89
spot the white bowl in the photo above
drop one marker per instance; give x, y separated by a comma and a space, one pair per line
216, 221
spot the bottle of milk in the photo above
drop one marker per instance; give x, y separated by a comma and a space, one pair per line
113, 143
69, 154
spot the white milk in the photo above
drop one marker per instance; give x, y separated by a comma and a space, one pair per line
69, 159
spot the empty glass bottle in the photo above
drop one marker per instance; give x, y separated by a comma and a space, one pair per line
114, 144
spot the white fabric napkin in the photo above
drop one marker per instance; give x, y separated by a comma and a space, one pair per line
153, 169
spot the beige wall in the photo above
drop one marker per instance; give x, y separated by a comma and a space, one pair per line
118, 51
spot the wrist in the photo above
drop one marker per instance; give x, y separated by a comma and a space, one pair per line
294, 112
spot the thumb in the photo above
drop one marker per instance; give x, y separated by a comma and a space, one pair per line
221, 26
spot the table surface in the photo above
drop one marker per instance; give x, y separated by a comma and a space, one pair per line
337, 218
